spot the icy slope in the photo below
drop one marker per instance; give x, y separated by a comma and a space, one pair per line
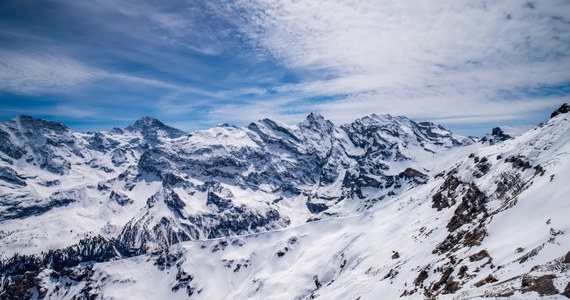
494, 223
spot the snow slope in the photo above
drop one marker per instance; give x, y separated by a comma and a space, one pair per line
149, 186
485, 221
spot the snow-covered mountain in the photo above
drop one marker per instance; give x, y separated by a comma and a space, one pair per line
383, 207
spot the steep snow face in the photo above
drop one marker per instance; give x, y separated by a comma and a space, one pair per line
492, 223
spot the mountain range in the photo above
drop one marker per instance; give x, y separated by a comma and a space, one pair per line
380, 208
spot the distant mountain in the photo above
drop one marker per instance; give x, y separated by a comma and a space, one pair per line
383, 207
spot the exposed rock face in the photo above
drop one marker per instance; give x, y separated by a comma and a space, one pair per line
543, 285
564, 109
497, 136
567, 290
567, 258
95, 249
151, 129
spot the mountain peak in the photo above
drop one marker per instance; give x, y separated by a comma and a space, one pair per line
497, 135
316, 121
381, 119
146, 122
149, 124
564, 109
31, 122
315, 116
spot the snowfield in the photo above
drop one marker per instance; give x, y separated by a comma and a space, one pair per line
432, 216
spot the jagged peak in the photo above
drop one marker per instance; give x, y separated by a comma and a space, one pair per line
427, 124
146, 124
497, 131
431, 125
315, 116
33, 122
266, 122
316, 121
563, 109
497, 135
377, 119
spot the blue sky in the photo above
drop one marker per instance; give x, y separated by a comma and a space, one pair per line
468, 65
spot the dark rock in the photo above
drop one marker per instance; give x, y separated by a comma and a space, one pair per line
489, 279
317, 282
118, 157
391, 274
543, 285
49, 183
451, 286
417, 176
475, 236
120, 198
472, 205
90, 249
10, 176
567, 290
282, 252
221, 203
564, 109
20, 210
471, 210
483, 167
445, 277
479, 255
462, 271
150, 129
446, 195
497, 135
8, 147
316, 208
174, 202
422, 276
508, 183
20, 287
530, 254
567, 258
519, 162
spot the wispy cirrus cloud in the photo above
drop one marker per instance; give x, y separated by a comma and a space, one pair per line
27, 73
463, 63
393, 56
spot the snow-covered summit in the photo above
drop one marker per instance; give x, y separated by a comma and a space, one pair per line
407, 208
152, 129
269, 170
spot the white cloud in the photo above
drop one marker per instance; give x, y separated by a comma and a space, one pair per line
450, 61
446, 59
30, 74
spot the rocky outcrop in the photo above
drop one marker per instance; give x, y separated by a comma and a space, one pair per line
564, 109
497, 136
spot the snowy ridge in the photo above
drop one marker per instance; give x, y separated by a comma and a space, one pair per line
114, 184
398, 209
